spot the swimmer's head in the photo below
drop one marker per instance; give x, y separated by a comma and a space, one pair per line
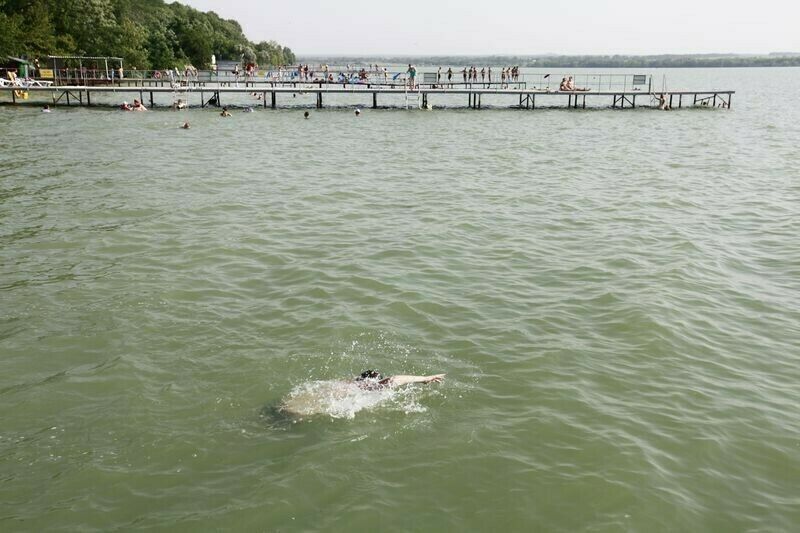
369, 374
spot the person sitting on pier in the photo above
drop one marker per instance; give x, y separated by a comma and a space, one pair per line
564, 86
571, 86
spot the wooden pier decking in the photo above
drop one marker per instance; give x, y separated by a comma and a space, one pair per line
204, 95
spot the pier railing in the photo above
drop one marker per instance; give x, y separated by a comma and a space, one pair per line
591, 81
281, 75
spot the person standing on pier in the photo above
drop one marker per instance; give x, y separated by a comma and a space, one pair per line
450, 77
464, 75
412, 76
439, 76
489, 73
483, 75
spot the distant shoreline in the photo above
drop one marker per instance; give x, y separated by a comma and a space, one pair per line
588, 61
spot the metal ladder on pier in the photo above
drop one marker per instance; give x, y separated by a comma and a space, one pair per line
413, 98
179, 95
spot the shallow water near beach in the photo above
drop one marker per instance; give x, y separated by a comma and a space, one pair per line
614, 296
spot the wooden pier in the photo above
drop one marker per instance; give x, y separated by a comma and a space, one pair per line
423, 97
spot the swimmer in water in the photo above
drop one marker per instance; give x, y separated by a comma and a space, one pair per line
306, 114
185, 126
372, 379
225, 112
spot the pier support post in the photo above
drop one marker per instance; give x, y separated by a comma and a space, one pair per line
13, 97
319, 100
88, 99
151, 99
202, 100
374, 100
80, 97
67, 93
584, 101
273, 100
264, 98
730, 99
634, 102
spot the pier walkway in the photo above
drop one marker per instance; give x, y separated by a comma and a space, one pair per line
272, 94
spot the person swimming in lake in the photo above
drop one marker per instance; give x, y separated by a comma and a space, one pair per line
373, 380
225, 112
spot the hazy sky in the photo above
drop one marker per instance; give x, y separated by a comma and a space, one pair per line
430, 27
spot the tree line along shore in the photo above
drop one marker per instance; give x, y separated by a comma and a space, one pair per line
146, 34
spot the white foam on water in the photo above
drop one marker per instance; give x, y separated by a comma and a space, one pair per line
344, 399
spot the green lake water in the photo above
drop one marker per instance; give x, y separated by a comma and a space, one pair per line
614, 296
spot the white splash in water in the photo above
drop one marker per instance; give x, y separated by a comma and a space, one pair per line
343, 399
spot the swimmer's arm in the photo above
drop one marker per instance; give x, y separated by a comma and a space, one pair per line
397, 381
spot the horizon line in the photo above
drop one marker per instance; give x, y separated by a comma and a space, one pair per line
389, 55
